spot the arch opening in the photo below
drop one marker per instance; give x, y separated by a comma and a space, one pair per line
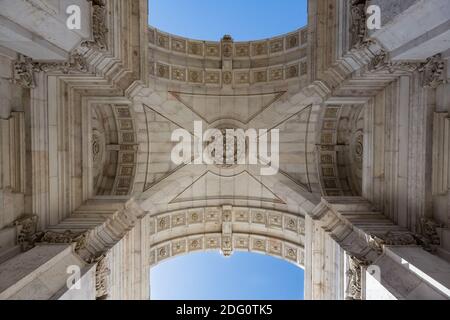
244, 20
243, 276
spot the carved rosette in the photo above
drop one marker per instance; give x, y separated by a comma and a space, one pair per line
429, 233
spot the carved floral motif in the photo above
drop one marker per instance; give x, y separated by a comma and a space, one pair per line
433, 72
25, 67
354, 275
99, 28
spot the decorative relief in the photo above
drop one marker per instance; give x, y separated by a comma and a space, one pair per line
292, 71
78, 238
179, 247
227, 245
275, 247
178, 74
163, 252
276, 74
291, 224
275, 220
227, 77
25, 67
99, 28
241, 216
377, 242
178, 220
354, 276
178, 45
428, 229
227, 46
433, 72
428, 238
163, 223
212, 242
242, 77
291, 253
102, 281
195, 217
212, 215
292, 41
195, 244
358, 22
258, 244
162, 41
381, 62
212, 77
260, 76
258, 217
26, 231
212, 50
259, 48
195, 76
195, 48
163, 71
276, 45
242, 50
242, 243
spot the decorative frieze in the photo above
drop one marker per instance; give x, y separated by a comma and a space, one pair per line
217, 228
54, 237
25, 68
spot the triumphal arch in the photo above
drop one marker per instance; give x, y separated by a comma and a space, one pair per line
360, 198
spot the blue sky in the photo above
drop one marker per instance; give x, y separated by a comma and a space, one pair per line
210, 276
242, 19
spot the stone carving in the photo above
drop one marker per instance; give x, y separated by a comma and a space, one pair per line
25, 67
227, 46
381, 62
433, 72
24, 73
354, 276
99, 28
358, 22
102, 274
80, 239
26, 231
431, 238
28, 237
377, 242
227, 246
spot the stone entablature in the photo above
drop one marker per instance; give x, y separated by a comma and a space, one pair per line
251, 63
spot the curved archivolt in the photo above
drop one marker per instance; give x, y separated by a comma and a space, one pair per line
227, 229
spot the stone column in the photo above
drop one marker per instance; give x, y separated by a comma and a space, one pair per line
393, 261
